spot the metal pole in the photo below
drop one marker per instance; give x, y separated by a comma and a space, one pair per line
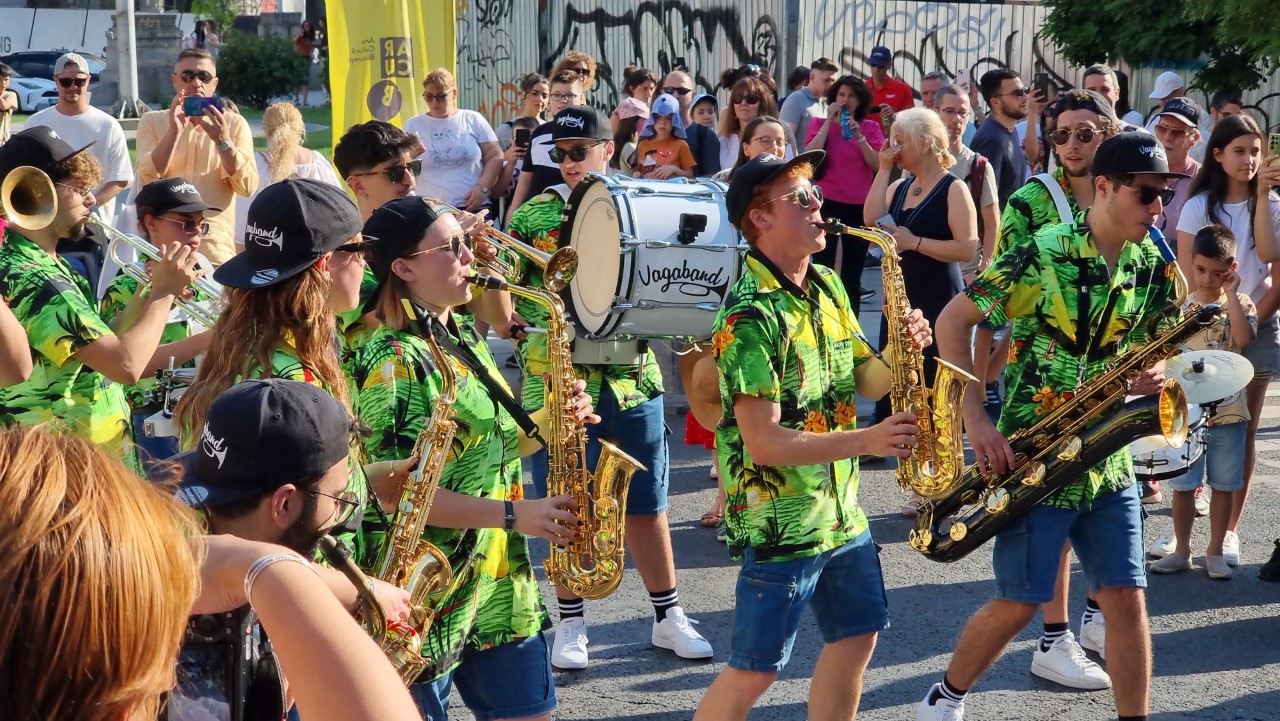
127, 55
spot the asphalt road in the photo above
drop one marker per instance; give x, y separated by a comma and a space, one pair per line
1216, 643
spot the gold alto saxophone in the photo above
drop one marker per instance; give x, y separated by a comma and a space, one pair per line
590, 566
937, 462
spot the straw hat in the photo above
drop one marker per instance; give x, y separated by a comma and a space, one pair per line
701, 379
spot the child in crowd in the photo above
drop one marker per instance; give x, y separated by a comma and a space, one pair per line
704, 111
632, 114
663, 153
1213, 258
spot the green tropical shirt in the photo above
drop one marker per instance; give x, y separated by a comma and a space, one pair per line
797, 348
537, 222
114, 302
1031, 208
1071, 316
495, 597
55, 306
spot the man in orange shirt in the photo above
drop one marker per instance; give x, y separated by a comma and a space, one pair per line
886, 90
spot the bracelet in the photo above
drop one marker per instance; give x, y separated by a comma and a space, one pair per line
263, 563
509, 520
919, 240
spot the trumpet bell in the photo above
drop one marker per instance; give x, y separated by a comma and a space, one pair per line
28, 198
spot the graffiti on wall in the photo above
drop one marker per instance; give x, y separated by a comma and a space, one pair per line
490, 61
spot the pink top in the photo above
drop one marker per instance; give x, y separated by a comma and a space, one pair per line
846, 176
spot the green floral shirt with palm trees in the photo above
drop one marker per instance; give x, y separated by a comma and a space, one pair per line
1071, 317
797, 348
494, 598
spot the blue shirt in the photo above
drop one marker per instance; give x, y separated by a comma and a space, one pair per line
1001, 147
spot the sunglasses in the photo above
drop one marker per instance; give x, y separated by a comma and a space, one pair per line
203, 76
582, 72
396, 172
439, 97
676, 91
577, 154
1175, 133
346, 503
190, 227
1019, 93
70, 82
1148, 194
454, 245
1083, 135
749, 99
803, 196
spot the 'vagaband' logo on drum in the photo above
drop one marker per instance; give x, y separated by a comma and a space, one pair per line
265, 237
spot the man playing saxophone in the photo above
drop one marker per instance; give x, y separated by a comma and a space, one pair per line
486, 637
1078, 295
791, 357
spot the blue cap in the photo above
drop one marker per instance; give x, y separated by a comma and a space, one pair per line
880, 57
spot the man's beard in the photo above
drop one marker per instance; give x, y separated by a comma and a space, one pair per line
78, 230
303, 535
1083, 172
1017, 112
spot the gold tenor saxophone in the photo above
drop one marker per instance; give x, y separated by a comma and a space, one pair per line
591, 565
937, 462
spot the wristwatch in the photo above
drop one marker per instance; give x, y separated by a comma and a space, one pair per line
485, 189
224, 146
509, 518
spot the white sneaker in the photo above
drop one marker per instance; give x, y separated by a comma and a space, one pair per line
1093, 635
1065, 663
941, 710
1202, 502
1231, 548
569, 651
1172, 563
1163, 546
675, 633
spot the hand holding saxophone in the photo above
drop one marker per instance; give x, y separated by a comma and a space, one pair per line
1149, 381
584, 410
175, 270
554, 518
393, 599
894, 436
991, 450
919, 332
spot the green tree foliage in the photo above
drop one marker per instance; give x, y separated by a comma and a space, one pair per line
1230, 43
254, 70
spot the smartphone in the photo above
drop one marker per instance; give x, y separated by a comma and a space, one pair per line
1273, 144
1040, 83
886, 220
522, 137
194, 106
962, 79
679, 63
212, 677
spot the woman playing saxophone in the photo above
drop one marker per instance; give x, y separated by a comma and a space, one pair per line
486, 636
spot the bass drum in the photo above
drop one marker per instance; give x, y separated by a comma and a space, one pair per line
656, 259
1154, 460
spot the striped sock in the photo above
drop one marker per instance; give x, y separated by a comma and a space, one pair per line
947, 691
570, 609
1091, 607
662, 602
1052, 632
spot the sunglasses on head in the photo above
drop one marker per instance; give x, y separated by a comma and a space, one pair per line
676, 91
396, 172
77, 82
454, 245
1084, 135
803, 196
1148, 194
749, 99
577, 154
440, 97
203, 76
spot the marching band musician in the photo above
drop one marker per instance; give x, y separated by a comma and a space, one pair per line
80, 366
1103, 271
629, 398
791, 356
170, 212
15, 360
487, 634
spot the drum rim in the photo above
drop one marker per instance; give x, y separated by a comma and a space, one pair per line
576, 199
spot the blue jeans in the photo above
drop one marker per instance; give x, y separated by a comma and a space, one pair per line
510, 681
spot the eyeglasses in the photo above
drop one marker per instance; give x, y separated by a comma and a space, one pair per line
768, 142
1083, 135
347, 503
577, 154
1173, 133
454, 245
564, 97
203, 76
749, 99
190, 227
438, 97
1148, 194
582, 72
676, 91
77, 82
954, 113
1019, 93
82, 192
396, 172
803, 196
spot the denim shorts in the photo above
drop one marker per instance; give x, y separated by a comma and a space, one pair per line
510, 681
1223, 460
640, 432
844, 586
1106, 537
1264, 351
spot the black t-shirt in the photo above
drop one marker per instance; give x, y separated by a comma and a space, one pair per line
542, 172
705, 147
1004, 152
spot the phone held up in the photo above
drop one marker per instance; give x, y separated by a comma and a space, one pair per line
962, 79
1040, 84
522, 137
1273, 144
194, 105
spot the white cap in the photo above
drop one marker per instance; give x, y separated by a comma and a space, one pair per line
1166, 83
75, 59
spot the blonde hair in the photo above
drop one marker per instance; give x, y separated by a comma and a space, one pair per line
441, 78
282, 124
97, 579
924, 127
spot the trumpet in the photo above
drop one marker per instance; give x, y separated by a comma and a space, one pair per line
204, 313
557, 268
28, 198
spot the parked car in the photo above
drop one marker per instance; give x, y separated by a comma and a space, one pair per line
39, 63
33, 93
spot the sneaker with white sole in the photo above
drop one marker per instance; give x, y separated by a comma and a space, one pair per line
1093, 635
675, 633
569, 650
1151, 493
1172, 563
1218, 568
1202, 503
1065, 663
1162, 546
940, 710
1231, 548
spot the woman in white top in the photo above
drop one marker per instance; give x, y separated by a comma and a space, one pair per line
284, 157
749, 99
1233, 188
461, 160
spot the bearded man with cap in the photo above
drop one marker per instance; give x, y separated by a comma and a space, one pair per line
791, 357
1104, 260
628, 398
80, 365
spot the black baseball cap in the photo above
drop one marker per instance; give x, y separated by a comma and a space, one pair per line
1184, 109
40, 148
1132, 153
580, 122
758, 171
261, 434
291, 225
392, 229
172, 195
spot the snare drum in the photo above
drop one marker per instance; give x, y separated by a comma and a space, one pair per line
656, 259
1154, 460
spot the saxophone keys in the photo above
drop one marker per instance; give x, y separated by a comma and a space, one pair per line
958, 531
921, 539
1035, 475
1070, 448
996, 501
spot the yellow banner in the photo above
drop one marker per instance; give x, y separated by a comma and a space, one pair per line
379, 53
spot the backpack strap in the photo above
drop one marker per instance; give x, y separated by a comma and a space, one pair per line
1059, 198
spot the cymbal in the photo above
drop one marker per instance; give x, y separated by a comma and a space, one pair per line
1209, 375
